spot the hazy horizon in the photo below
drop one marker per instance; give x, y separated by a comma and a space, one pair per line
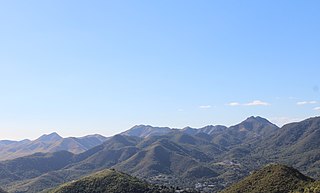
79, 67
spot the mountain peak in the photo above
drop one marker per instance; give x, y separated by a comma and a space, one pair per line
257, 119
140, 126
50, 137
146, 131
190, 130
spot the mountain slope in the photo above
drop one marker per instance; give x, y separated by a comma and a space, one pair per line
210, 130
177, 157
32, 166
254, 127
108, 181
159, 158
271, 179
295, 144
300, 137
250, 130
146, 131
114, 150
48, 143
313, 187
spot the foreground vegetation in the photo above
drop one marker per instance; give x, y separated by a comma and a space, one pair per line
275, 179
111, 181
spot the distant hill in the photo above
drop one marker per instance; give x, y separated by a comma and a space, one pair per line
146, 131
210, 130
39, 175
33, 166
164, 156
177, 155
254, 127
250, 130
113, 151
300, 137
48, 143
108, 181
271, 179
295, 144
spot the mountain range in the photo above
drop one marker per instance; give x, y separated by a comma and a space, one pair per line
205, 159
48, 143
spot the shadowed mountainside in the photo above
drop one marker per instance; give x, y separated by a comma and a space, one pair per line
295, 144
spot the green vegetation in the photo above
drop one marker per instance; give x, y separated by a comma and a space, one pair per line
310, 188
108, 181
271, 179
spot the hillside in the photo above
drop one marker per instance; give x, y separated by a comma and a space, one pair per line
46, 144
109, 181
271, 179
32, 166
313, 187
296, 138
251, 130
146, 131
185, 158
114, 150
165, 157
295, 144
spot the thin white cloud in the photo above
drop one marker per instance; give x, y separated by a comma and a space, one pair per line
257, 103
317, 109
205, 106
306, 102
234, 104
253, 103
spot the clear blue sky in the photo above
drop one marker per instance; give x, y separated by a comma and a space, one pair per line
81, 67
